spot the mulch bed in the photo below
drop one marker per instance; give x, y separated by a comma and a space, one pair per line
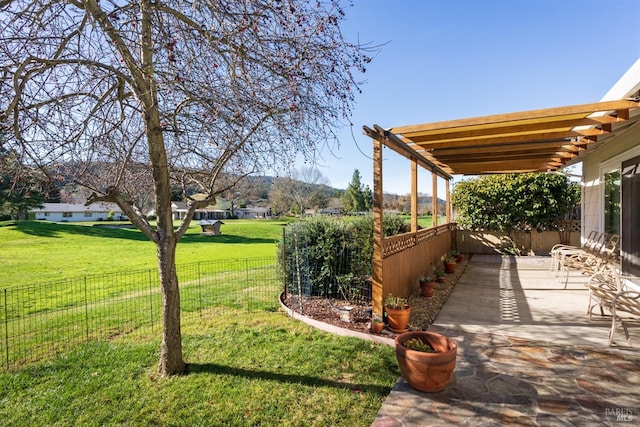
423, 310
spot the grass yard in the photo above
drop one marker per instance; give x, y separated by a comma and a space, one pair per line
259, 369
39, 251
245, 368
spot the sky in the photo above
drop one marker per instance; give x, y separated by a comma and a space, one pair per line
452, 59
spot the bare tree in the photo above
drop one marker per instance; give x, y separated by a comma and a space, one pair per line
298, 192
130, 93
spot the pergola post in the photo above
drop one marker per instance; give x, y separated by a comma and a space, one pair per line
378, 230
434, 200
447, 207
414, 195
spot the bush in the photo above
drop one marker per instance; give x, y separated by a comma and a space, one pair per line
514, 201
320, 251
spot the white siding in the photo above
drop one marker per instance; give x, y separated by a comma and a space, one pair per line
607, 157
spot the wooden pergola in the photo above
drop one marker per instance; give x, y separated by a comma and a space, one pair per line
529, 141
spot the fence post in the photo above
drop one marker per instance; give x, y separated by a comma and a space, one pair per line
150, 298
284, 263
86, 308
6, 328
200, 305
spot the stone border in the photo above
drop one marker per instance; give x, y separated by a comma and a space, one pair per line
336, 330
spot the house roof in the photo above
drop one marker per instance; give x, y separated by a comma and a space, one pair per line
527, 141
77, 207
220, 206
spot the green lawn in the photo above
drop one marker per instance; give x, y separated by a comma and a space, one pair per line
38, 251
245, 368
425, 221
259, 369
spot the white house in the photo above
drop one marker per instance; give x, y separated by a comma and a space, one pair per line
611, 177
253, 213
70, 212
211, 212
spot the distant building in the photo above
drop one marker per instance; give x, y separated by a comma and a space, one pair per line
211, 212
253, 213
76, 212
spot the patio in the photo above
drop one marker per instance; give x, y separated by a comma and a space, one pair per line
527, 355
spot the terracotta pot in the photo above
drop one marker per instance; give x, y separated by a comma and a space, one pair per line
398, 318
450, 267
459, 258
430, 372
377, 327
440, 279
427, 288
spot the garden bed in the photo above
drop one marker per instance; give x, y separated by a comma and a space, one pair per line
423, 310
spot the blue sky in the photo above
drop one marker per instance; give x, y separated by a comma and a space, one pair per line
447, 60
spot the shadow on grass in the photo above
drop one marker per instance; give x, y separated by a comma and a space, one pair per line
213, 368
58, 230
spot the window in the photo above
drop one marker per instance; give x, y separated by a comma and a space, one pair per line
88, 214
67, 214
631, 216
612, 202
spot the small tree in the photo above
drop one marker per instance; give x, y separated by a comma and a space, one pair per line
21, 188
357, 197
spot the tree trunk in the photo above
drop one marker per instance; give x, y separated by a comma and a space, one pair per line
171, 361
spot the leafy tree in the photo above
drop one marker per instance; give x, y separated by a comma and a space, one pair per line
21, 189
357, 197
161, 94
514, 202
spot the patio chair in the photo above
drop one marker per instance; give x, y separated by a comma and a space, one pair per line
627, 303
608, 292
603, 286
560, 249
589, 263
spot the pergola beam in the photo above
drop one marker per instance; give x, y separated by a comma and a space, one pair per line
393, 142
523, 116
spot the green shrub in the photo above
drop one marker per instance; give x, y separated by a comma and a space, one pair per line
511, 202
319, 250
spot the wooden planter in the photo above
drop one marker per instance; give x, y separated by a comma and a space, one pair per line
429, 372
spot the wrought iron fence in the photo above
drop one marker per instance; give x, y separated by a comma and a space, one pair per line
38, 321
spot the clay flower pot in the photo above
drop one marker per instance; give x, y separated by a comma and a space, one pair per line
429, 372
426, 288
450, 267
398, 318
377, 327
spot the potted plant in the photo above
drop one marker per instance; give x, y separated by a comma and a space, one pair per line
439, 273
377, 324
398, 312
427, 283
456, 255
427, 360
450, 265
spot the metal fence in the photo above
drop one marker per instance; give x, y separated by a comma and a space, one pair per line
339, 272
41, 320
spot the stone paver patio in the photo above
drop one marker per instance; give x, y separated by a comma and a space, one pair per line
527, 355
